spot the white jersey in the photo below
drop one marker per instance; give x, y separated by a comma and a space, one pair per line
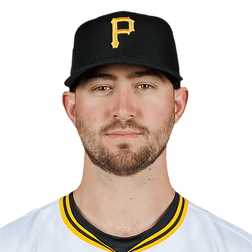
185, 227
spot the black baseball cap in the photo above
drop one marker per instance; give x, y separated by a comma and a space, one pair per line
124, 38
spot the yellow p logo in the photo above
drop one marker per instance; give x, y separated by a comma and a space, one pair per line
116, 31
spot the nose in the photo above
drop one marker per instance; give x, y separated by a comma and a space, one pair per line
124, 105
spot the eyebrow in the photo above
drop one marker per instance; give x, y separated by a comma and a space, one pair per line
137, 74
100, 76
149, 72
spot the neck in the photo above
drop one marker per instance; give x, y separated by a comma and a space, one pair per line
124, 206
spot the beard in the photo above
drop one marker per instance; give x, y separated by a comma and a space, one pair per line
124, 162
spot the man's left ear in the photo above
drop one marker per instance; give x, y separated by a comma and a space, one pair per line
181, 97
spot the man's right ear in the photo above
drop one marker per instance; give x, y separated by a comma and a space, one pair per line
69, 104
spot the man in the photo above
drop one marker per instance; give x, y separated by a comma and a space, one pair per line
124, 100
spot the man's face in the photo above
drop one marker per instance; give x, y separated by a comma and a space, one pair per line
124, 116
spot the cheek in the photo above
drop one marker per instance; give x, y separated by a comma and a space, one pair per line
93, 114
156, 112
153, 115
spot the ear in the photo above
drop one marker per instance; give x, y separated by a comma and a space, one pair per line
69, 104
181, 97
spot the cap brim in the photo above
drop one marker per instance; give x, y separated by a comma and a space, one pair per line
123, 60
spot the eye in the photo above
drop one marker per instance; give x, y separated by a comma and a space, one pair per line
145, 86
105, 88
101, 88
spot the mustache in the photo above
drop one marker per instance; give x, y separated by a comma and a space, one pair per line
118, 124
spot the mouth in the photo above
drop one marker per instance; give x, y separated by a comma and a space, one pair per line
123, 132
123, 136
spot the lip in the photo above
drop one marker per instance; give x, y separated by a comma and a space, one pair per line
123, 136
123, 132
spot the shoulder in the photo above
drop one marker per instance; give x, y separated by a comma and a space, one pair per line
214, 230
19, 233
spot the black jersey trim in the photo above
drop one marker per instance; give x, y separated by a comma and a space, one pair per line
76, 228
79, 230
168, 230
